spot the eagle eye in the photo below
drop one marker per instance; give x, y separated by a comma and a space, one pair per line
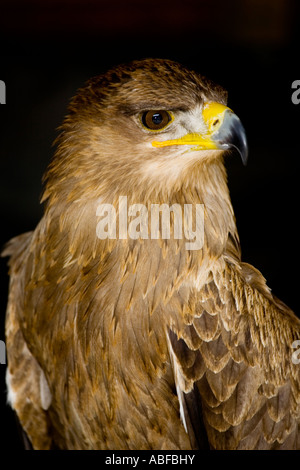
156, 120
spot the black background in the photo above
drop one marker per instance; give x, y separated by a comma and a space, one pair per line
50, 48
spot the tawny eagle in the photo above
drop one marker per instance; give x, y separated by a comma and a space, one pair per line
120, 339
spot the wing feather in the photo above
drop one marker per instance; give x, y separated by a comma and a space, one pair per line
247, 384
24, 375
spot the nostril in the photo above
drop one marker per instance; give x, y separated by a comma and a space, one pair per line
216, 122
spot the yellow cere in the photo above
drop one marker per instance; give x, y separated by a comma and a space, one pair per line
213, 116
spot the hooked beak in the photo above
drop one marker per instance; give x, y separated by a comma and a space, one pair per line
224, 132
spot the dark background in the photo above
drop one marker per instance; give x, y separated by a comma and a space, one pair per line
49, 48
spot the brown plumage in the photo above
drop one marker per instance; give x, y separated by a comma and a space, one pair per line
144, 344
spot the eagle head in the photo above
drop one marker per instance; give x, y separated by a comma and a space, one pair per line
148, 124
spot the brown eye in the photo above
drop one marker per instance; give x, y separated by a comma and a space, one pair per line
156, 120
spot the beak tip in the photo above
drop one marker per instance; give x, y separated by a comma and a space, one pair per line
242, 149
232, 135
245, 159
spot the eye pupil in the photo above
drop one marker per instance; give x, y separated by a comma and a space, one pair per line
156, 120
